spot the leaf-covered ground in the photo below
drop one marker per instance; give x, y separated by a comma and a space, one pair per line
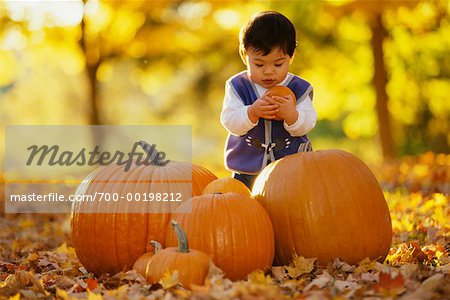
37, 260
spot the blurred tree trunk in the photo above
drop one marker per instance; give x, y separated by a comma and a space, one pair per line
92, 62
380, 82
373, 11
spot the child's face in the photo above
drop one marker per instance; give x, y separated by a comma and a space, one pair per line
267, 70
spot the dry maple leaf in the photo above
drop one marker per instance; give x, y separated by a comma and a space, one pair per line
66, 250
170, 279
388, 286
300, 266
365, 265
91, 283
258, 277
426, 289
278, 273
62, 294
119, 293
321, 281
94, 296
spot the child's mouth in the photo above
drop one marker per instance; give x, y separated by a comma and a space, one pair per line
268, 81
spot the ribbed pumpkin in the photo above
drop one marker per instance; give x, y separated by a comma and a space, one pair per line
111, 242
325, 204
226, 185
192, 265
233, 228
140, 265
280, 90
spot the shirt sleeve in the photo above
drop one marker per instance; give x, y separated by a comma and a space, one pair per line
307, 118
234, 115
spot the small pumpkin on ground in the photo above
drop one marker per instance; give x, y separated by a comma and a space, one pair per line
192, 265
233, 228
140, 265
325, 204
226, 185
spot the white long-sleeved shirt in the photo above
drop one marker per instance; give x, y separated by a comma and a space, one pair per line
234, 116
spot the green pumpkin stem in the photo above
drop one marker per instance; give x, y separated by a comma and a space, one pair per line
183, 246
156, 246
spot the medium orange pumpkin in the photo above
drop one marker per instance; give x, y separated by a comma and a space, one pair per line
233, 228
226, 185
140, 265
325, 204
192, 265
280, 90
109, 242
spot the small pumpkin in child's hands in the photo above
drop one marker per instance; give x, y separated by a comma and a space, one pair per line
280, 90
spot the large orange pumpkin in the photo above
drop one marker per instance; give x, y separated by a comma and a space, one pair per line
233, 228
192, 265
226, 185
108, 242
325, 204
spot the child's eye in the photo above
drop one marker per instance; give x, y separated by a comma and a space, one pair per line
258, 65
278, 65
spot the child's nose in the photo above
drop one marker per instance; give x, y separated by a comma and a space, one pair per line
268, 70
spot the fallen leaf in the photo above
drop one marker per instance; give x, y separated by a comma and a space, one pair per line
62, 294
119, 293
390, 286
365, 265
213, 270
369, 277
426, 289
65, 282
94, 296
91, 283
300, 266
170, 279
278, 273
66, 250
344, 285
258, 277
15, 297
320, 282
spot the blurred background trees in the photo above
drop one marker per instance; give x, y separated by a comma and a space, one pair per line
380, 71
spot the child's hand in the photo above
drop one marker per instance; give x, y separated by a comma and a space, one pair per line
263, 107
287, 108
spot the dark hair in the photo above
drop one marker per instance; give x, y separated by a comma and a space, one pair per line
265, 31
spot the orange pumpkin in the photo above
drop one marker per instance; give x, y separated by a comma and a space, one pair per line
192, 265
325, 204
107, 239
233, 228
280, 90
226, 185
140, 265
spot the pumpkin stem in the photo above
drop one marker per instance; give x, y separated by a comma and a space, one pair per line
156, 246
183, 245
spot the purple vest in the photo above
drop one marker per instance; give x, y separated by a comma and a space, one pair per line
249, 153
